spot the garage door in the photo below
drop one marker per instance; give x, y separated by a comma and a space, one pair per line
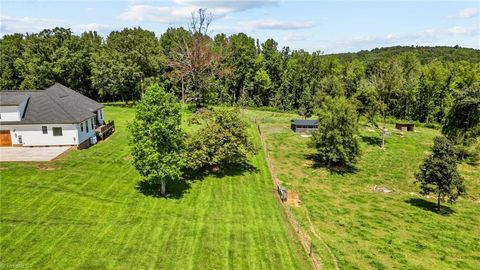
5, 138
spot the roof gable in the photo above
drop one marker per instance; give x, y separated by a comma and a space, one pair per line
57, 104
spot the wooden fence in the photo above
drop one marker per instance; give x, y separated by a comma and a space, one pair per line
301, 233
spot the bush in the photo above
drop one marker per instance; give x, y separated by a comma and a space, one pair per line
222, 140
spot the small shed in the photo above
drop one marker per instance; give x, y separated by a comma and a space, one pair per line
405, 126
301, 125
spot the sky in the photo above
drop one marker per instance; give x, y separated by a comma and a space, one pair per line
328, 26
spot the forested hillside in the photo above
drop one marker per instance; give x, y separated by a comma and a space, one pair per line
424, 54
238, 70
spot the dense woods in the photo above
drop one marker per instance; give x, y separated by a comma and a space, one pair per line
414, 83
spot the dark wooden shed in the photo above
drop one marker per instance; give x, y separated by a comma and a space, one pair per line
301, 125
405, 126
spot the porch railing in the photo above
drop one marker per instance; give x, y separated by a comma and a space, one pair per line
105, 130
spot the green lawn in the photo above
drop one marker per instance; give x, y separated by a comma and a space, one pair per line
368, 230
83, 211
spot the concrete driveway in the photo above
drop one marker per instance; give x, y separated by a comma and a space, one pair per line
31, 153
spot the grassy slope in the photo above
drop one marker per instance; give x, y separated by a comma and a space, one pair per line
367, 230
87, 214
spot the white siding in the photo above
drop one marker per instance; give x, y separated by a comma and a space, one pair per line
32, 135
100, 115
9, 113
84, 135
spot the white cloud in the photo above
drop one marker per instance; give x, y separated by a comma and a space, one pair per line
148, 13
465, 13
80, 28
275, 25
291, 37
228, 5
10, 24
427, 36
184, 8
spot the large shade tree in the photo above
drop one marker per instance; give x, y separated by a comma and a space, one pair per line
156, 138
336, 138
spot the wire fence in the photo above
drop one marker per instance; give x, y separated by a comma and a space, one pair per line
303, 236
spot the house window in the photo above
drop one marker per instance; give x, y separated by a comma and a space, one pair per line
44, 130
100, 114
81, 126
92, 125
57, 131
86, 125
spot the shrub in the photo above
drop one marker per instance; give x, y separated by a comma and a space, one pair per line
222, 140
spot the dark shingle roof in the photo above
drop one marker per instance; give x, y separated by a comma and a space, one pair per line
57, 104
303, 122
13, 99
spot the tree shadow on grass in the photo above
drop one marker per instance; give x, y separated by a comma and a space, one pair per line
224, 170
177, 189
332, 168
430, 206
371, 140
174, 189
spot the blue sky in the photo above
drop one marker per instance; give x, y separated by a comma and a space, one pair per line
329, 26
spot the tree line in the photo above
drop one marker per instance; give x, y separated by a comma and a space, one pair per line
239, 70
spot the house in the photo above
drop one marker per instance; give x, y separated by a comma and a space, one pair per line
52, 117
301, 125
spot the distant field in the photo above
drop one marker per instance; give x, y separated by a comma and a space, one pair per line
84, 212
367, 230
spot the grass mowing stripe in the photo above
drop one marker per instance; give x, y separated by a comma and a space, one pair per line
98, 237
88, 214
66, 233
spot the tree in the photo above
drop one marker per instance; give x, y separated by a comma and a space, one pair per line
11, 49
272, 64
336, 138
128, 60
353, 73
388, 81
262, 87
463, 120
156, 137
195, 59
367, 100
221, 141
438, 174
115, 75
242, 54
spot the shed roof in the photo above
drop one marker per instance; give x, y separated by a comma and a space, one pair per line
304, 122
57, 104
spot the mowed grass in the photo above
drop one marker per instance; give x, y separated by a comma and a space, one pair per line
368, 230
83, 211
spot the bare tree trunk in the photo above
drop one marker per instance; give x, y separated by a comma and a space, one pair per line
163, 187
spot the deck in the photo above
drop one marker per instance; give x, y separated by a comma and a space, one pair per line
105, 130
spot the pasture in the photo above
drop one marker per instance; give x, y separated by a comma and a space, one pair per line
86, 210
362, 229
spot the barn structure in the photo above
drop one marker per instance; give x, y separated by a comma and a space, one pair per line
405, 126
302, 125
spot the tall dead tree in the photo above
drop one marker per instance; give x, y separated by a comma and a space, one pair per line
193, 59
